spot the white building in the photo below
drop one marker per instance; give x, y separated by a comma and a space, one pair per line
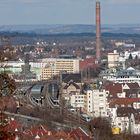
113, 59
135, 124
134, 54
124, 114
129, 75
96, 103
77, 101
92, 102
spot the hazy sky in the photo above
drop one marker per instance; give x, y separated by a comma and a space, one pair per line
68, 11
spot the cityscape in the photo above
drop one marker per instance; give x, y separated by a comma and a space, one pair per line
70, 81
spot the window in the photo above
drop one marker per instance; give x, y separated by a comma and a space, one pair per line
101, 95
101, 107
125, 124
122, 105
119, 123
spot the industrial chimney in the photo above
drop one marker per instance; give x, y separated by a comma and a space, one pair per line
98, 31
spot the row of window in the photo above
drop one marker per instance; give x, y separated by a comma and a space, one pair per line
79, 101
79, 97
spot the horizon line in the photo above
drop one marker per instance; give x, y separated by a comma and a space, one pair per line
68, 24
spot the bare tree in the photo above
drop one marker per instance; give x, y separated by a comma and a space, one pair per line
100, 129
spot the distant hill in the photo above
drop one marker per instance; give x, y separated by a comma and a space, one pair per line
48, 29
70, 29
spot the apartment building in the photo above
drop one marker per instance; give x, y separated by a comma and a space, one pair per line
96, 103
54, 66
92, 102
113, 59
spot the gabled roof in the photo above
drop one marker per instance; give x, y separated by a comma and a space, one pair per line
37, 130
75, 77
133, 85
132, 93
115, 88
79, 134
71, 83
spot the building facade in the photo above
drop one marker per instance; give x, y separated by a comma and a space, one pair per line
113, 59
55, 66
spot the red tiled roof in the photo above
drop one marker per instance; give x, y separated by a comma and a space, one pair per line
61, 134
79, 134
37, 130
88, 62
13, 124
23, 136
46, 137
123, 101
114, 88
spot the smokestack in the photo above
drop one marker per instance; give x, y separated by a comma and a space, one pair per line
98, 30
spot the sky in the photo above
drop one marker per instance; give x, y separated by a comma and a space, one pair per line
68, 12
